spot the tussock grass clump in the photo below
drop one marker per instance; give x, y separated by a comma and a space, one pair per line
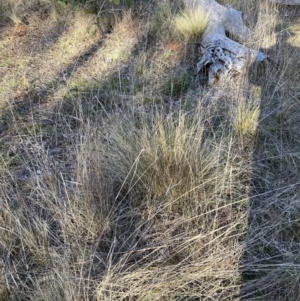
136, 217
247, 118
162, 157
171, 182
191, 24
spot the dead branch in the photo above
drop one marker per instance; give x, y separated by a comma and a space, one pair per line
221, 56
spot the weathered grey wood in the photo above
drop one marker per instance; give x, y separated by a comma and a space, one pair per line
287, 2
220, 55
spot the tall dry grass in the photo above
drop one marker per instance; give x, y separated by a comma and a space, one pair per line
153, 209
123, 199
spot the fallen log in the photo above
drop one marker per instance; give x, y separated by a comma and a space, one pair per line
221, 56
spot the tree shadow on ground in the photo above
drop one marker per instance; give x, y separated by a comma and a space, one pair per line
30, 100
272, 243
40, 119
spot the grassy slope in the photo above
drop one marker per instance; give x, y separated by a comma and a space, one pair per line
121, 179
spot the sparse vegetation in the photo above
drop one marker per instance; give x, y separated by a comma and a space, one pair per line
122, 178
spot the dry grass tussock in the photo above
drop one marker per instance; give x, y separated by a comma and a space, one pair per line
191, 24
121, 180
